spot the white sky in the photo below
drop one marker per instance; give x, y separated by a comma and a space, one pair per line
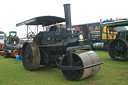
82, 11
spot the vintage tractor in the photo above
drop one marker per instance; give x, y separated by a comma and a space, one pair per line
12, 38
12, 46
118, 48
57, 48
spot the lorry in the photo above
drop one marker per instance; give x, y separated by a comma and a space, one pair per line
97, 36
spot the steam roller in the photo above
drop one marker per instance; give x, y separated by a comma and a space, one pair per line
60, 47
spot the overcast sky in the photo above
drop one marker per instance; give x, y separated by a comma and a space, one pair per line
82, 11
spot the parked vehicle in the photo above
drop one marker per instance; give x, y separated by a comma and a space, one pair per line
2, 40
12, 46
118, 48
97, 36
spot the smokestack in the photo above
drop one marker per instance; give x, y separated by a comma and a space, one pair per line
67, 15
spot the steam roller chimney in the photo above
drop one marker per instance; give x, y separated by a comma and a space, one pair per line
67, 15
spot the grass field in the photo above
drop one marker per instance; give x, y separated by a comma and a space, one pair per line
111, 73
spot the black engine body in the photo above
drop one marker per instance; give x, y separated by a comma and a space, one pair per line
61, 36
53, 44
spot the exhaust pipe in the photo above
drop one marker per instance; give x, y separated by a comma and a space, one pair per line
67, 15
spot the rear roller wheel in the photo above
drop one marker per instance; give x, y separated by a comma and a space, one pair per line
30, 56
81, 59
118, 50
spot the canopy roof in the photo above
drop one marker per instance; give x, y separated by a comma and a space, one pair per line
12, 32
42, 20
115, 23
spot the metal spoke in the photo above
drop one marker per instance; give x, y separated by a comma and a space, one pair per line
118, 50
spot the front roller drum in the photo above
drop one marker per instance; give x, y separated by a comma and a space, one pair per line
81, 59
30, 56
118, 50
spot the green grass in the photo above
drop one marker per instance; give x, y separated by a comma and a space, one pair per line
111, 73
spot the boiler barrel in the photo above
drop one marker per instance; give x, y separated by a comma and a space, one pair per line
98, 46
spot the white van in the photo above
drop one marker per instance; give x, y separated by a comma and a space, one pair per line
2, 38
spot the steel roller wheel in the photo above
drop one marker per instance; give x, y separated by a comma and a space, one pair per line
72, 75
81, 59
118, 50
30, 56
